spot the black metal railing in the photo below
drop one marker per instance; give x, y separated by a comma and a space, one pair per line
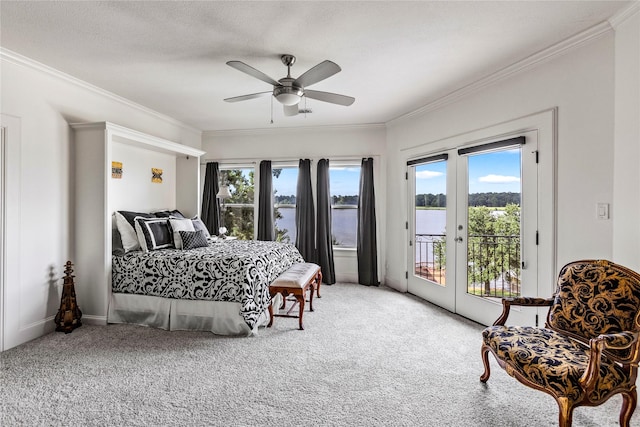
493, 263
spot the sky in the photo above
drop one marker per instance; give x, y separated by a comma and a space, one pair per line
495, 172
344, 181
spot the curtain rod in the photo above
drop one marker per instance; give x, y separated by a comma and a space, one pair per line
253, 160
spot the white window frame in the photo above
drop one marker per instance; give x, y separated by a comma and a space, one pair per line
343, 163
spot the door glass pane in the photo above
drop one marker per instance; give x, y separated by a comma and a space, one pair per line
493, 229
430, 221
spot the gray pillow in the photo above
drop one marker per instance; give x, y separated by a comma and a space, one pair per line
193, 239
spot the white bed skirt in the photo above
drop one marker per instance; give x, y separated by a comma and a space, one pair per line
219, 317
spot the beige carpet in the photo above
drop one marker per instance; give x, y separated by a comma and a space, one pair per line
368, 357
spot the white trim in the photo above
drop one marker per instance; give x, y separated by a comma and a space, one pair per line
624, 14
3, 245
13, 332
289, 130
94, 320
141, 139
526, 64
16, 58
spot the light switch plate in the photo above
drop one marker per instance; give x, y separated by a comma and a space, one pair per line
603, 210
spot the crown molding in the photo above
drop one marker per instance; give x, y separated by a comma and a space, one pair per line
293, 130
625, 14
18, 59
523, 65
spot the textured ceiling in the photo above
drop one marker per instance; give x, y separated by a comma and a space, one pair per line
395, 56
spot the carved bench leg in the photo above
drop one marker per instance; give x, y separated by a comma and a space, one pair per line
318, 283
310, 289
270, 314
300, 299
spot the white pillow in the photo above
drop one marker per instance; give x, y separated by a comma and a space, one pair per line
199, 225
178, 225
127, 233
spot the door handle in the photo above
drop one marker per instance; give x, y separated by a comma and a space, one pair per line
458, 239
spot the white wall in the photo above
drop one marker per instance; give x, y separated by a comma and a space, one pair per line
135, 191
39, 104
626, 190
343, 142
580, 82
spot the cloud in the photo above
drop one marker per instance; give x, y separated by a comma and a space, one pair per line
498, 179
428, 174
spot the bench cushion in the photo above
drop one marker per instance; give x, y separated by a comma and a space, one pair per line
297, 276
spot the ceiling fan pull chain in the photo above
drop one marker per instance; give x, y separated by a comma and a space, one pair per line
272, 110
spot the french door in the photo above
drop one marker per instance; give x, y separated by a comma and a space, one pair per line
473, 227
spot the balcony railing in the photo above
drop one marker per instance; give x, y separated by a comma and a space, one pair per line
493, 263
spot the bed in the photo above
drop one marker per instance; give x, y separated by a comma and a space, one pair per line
221, 287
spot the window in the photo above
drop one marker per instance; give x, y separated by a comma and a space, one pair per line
344, 180
285, 179
238, 211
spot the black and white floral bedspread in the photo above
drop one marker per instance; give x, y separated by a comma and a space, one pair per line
230, 270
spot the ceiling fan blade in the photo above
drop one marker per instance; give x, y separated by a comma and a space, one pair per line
333, 98
323, 70
245, 97
291, 110
241, 66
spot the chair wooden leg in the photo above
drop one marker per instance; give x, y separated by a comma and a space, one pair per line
485, 361
565, 415
310, 297
629, 402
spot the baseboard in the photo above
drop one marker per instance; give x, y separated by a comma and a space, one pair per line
398, 285
347, 278
94, 320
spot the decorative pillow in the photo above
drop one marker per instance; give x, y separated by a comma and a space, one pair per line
166, 214
116, 243
199, 225
177, 225
126, 226
193, 239
153, 233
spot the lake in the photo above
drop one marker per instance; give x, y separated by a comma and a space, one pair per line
345, 223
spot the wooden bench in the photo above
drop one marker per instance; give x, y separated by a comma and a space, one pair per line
296, 281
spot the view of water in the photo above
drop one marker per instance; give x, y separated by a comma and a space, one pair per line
344, 228
345, 223
431, 221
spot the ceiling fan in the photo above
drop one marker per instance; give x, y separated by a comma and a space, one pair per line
289, 91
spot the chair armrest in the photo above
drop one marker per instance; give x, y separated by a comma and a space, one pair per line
521, 301
618, 341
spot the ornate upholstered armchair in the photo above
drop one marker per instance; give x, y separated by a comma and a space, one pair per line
589, 348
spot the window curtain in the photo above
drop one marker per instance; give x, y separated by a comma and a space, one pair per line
324, 243
367, 242
210, 204
305, 213
266, 225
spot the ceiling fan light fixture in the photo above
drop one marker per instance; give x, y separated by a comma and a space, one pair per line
288, 95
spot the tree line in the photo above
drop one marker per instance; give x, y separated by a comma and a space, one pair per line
335, 200
497, 200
